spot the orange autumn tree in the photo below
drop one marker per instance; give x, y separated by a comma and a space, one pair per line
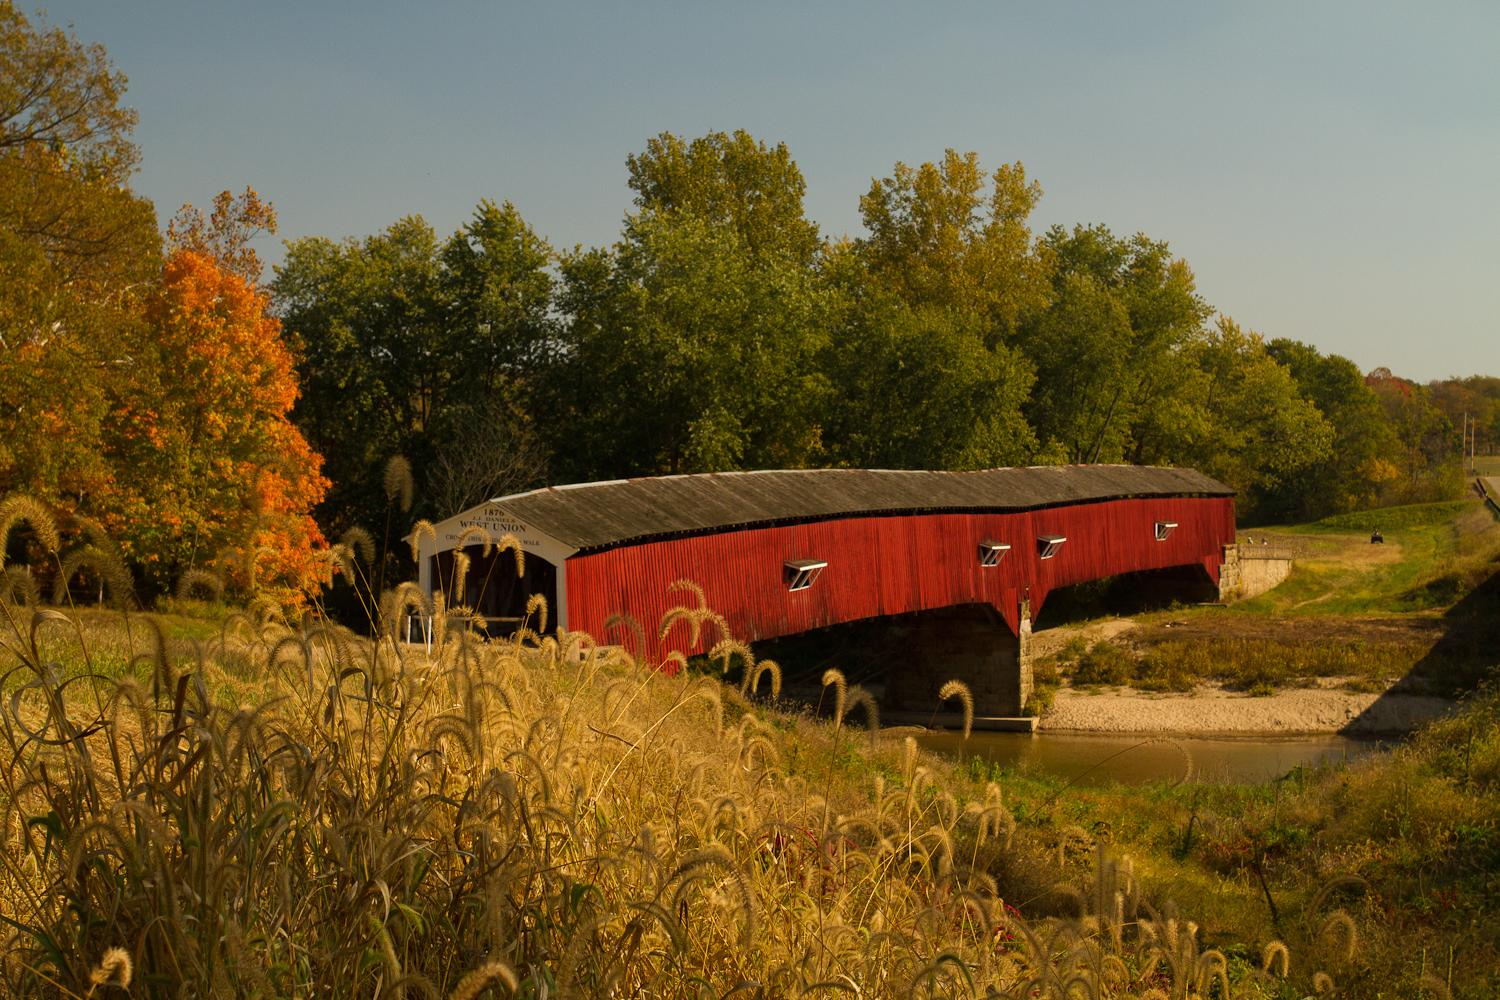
208, 470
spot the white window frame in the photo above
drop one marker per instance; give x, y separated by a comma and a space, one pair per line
800, 574
991, 552
1047, 545
1164, 530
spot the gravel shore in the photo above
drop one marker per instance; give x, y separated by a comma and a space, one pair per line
1211, 709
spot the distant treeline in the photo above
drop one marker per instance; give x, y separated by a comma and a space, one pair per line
724, 331
154, 390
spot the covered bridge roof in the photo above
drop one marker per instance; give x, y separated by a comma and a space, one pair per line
600, 515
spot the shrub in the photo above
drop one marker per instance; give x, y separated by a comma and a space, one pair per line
1073, 650
1106, 663
1041, 699
1244, 663
1044, 672
1158, 672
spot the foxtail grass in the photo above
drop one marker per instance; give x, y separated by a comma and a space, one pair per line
541, 815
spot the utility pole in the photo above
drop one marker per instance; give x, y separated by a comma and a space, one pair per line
1463, 445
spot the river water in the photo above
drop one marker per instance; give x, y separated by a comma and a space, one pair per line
1101, 759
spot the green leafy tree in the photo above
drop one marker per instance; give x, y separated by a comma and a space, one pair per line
920, 389
413, 345
1113, 347
685, 353
58, 93
729, 180
1360, 464
938, 239
494, 276
369, 321
1428, 442
1475, 399
1081, 406
1243, 422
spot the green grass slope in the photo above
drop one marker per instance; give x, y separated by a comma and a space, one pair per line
1434, 555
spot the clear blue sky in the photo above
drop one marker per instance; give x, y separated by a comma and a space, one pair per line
1329, 170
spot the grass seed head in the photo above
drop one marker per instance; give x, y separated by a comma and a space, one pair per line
475, 535
361, 542
1273, 951
114, 965
471, 985
752, 678
835, 678
958, 689
513, 543
399, 487
203, 578
18, 582
414, 540
43, 525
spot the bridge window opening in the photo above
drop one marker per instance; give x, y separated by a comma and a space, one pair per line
1164, 529
1047, 545
991, 552
800, 574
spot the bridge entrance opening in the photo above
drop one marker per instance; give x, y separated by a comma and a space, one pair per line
492, 591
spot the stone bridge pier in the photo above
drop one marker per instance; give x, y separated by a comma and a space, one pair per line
967, 642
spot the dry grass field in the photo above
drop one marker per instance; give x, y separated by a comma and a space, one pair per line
222, 802
527, 818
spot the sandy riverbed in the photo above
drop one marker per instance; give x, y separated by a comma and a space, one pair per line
1211, 709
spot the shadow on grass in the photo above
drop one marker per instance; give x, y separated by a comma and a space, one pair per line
1464, 657
1469, 651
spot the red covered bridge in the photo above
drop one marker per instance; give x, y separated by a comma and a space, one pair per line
778, 553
